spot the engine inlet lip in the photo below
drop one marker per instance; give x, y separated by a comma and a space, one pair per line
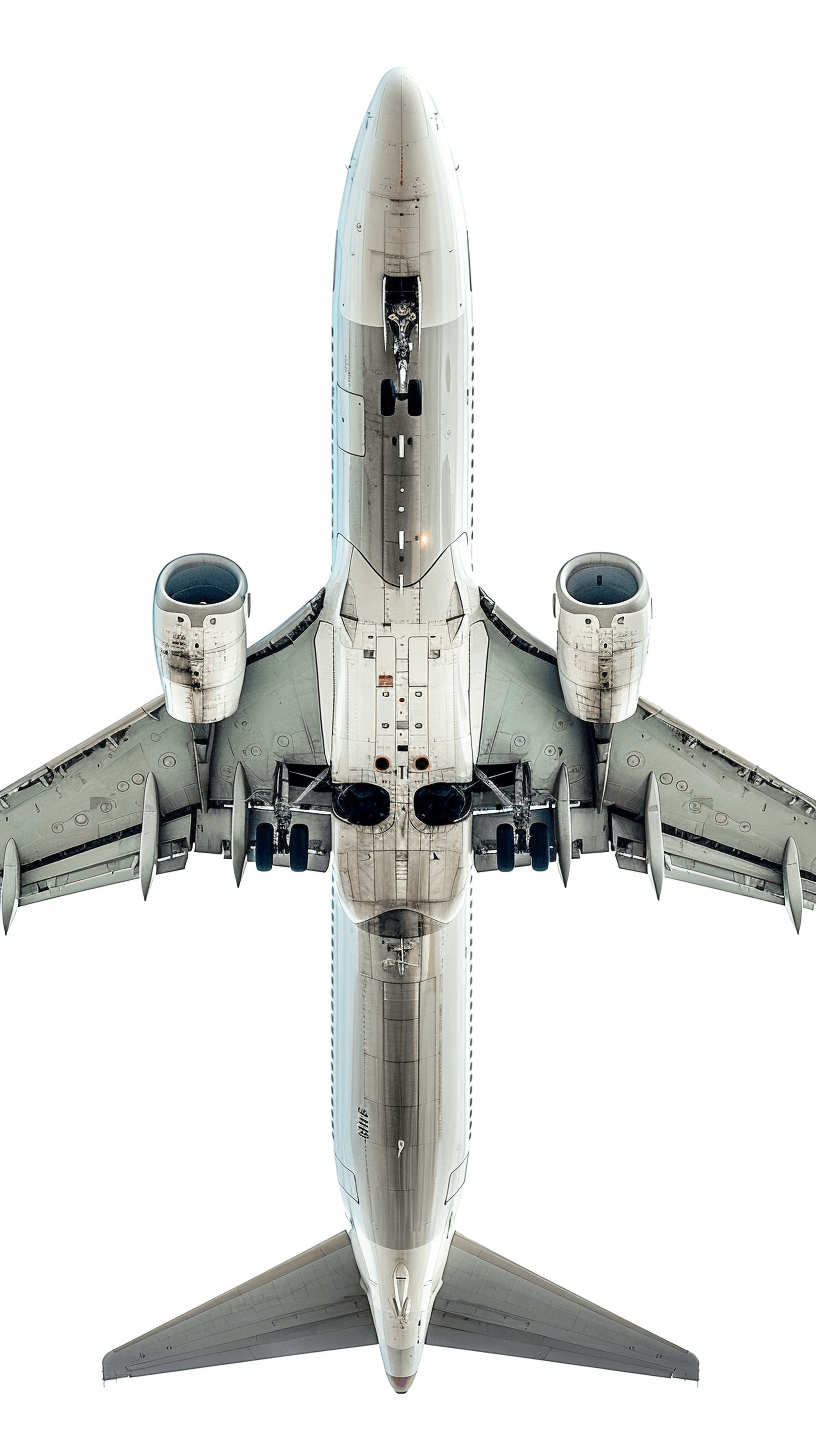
227, 587
619, 567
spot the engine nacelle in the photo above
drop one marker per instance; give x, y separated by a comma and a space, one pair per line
199, 628
603, 635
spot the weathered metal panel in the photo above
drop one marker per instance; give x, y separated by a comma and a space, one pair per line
349, 417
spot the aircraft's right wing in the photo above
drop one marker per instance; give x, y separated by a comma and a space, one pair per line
490, 1305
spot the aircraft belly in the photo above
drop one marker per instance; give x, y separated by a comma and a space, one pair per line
402, 498
400, 1089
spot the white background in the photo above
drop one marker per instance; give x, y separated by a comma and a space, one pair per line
638, 180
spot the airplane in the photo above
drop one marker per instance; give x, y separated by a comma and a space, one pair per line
402, 727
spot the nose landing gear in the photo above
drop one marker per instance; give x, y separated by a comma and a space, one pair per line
402, 311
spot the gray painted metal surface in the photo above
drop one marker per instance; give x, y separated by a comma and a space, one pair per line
403, 726
313, 1302
490, 1305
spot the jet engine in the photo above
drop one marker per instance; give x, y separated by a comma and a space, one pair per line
604, 618
199, 627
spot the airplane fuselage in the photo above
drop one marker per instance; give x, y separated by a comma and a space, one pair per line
399, 687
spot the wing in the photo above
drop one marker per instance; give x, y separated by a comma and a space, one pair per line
681, 803
488, 1304
141, 794
668, 800
313, 1302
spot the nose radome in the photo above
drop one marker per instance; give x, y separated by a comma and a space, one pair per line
401, 150
403, 115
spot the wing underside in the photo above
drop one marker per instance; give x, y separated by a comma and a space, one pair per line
668, 800
78, 821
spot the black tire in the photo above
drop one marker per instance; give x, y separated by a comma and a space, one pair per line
505, 849
388, 397
264, 847
415, 396
540, 846
299, 848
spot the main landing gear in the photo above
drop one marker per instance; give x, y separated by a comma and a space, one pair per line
298, 847
538, 842
526, 835
279, 835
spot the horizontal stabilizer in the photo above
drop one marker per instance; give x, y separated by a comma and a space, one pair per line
486, 1303
313, 1302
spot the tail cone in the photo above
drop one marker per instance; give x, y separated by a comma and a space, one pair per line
401, 1383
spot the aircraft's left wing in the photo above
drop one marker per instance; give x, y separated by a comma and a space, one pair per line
139, 795
669, 801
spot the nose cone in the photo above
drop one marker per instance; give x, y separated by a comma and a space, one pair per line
402, 115
401, 151
401, 1383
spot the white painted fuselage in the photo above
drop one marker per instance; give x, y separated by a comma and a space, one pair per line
401, 654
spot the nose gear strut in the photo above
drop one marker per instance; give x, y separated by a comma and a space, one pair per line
402, 311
